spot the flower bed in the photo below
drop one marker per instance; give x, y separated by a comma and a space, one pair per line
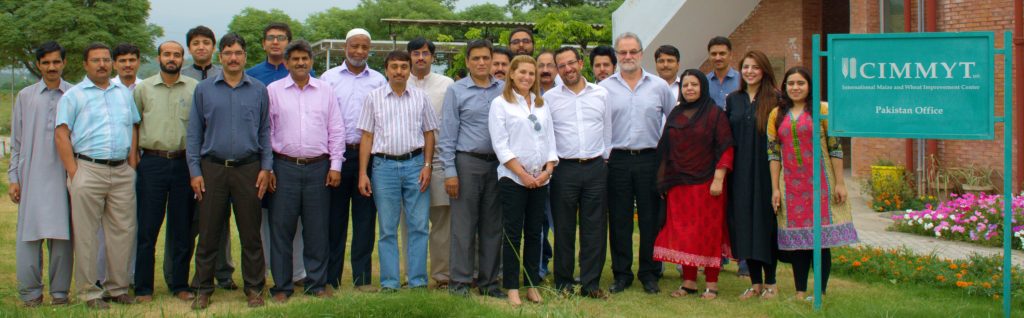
979, 275
965, 217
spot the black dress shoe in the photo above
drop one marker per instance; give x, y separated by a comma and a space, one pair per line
619, 286
458, 289
494, 292
651, 287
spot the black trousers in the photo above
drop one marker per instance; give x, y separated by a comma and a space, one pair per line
237, 183
762, 272
803, 260
163, 187
578, 193
364, 218
301, 195
631, 178
522, 219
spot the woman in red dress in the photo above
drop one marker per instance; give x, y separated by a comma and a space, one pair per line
696, 152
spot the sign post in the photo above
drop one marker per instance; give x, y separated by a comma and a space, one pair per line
915, 85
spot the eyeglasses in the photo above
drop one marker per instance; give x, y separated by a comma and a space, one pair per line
279, 38
420, 53
100, 60
568, 64
232, 53
536, 124
628, 53
520, 41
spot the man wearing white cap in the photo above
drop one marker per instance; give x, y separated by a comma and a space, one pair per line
351, 81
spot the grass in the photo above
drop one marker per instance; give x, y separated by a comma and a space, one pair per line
847, 298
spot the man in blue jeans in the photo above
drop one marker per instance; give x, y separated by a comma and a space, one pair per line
398, 130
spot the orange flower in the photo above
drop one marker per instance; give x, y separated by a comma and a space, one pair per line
940, 278
864, 259
856, 264
986, 285
959, 276
919, 268
963, 284
952, 266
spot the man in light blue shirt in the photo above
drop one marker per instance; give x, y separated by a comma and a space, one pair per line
95, 141
723, 79
639, 102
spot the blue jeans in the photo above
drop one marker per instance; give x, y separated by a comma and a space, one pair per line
396, 183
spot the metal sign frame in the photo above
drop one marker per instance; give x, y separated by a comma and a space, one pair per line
1006, 119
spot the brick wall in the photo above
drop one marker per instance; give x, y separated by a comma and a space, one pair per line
952, 16
775, 27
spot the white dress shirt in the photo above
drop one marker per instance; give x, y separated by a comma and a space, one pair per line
583, 123
638, 114
514, 135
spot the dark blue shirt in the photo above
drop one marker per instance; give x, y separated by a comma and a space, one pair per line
229, 123
268, 73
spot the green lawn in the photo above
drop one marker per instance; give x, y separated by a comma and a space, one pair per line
847, 298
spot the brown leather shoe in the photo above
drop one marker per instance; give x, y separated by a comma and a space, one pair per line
97, 304
323, 293
280, 298
33, 302
596, 294
201, 302
255, 300
185, 296
59, 301
143, 299
123, 299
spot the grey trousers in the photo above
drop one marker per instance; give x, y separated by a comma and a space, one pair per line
476, 222
224, 266
29, 255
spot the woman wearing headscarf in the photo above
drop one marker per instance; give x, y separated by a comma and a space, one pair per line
696, 152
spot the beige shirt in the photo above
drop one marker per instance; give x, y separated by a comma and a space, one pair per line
165, 111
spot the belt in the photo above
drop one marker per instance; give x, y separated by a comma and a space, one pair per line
233, 162
176, 154
302, 161
634, 152
352, 147
579, 160
481, 156
109, 162
402, 157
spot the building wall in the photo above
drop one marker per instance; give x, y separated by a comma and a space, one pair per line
775, 27
952, 16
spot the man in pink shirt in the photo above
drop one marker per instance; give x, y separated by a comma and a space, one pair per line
307, 133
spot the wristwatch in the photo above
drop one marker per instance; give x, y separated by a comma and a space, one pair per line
426, 165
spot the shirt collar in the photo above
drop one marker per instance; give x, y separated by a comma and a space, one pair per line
266, 64
157, 80
246, 79
565, 88
202, 69
731, 73
468, 82
62, 87
344, 65
289, 82
87, 83
391, 90
644, 77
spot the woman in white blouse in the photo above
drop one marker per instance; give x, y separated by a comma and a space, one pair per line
524, 141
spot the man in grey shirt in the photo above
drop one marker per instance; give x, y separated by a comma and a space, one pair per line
471, 175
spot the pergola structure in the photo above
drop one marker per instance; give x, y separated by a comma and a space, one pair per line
332, 47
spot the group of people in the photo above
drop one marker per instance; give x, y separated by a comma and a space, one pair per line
475, 171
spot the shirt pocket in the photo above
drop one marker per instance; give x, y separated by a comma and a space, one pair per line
250, 113
184, 107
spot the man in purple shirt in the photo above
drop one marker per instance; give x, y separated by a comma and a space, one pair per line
351, 81
307, 135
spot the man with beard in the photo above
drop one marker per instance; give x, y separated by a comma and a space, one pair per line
602, 62
520, 41
639, 102
666, 61
229, 156
37, 184
583, 131
351, 81
500, 58
164, 102
95, 141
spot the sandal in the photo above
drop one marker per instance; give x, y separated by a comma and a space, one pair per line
768, 293
683, 291
709, 294
750, 292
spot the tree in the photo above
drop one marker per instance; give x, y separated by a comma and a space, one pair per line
483, 12
535, 4
335, 22
250, 23
74, 24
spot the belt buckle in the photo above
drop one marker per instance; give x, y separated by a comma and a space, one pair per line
230, 163
582, 160
634, 152
301, 161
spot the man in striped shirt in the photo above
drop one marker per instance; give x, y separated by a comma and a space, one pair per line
398, 129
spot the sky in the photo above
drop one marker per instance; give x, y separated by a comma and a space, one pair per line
178, 16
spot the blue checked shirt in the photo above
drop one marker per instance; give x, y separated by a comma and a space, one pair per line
100, 120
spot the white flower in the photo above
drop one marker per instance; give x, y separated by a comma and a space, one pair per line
938, 234
928, 226
906, 216
940, 217
928, 216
